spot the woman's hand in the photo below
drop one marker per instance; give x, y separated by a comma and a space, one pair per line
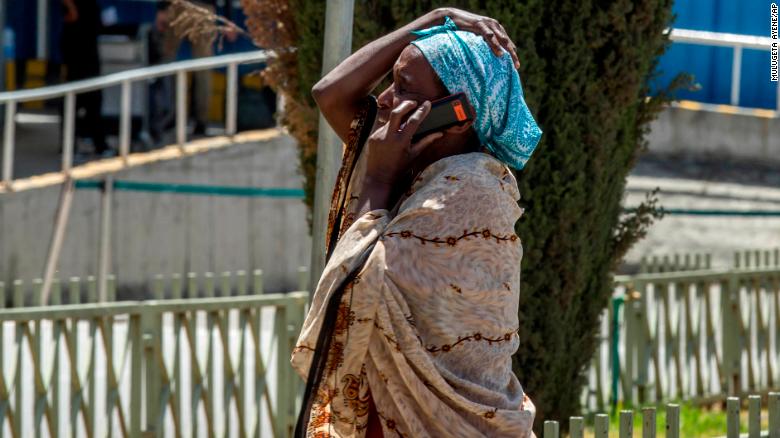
490, 29
390, 149
390, 152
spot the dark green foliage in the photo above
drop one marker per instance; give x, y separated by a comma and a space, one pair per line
585, 67
310, 22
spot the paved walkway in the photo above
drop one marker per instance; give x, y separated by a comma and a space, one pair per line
38, 140
706, 184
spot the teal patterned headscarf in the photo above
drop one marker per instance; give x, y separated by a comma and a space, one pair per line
465, 62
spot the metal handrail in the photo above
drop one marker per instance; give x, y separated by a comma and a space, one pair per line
133, 75
125, 79
698, 275
720, 39
109, 309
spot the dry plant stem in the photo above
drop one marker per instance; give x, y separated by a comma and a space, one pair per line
270, 25
199, 24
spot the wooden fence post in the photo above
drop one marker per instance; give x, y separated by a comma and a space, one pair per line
208, 292
151, 329
576, 427
257, 282
672, 421
136, 363
644, 265
284, 400
303, 278
74, 297
732, 417
601, 426
774, 415
695, 332
754, 416
730, 333
18, 429
551, 429
177, 291
40, 399
631, 318
228, 375
626, 424
648, 423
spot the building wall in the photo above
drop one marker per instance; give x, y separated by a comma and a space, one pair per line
716, 134
162, 233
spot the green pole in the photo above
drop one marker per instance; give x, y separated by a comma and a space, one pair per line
616, 303
2, 45
337, 46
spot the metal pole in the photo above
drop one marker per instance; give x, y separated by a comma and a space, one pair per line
2, 45
337, 46
231, 99
104, 256
68, 132
181, 108
736, 73
42, 40
55, 247
124, 121
8, 143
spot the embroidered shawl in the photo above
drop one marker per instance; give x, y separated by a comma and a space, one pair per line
423, 304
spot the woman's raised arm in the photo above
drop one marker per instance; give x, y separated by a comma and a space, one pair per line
339, 92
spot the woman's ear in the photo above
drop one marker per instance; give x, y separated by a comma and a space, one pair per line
459, 129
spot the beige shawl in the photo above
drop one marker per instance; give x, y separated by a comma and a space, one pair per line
430, 322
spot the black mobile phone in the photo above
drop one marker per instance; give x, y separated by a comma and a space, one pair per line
451, 110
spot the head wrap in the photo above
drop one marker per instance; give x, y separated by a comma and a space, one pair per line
465, 62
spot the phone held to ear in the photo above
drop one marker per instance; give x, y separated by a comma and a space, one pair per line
448, 111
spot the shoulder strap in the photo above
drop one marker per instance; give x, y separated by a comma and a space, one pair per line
358, 134
320, 356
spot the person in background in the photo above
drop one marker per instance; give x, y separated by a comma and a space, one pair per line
167, 44
82, 61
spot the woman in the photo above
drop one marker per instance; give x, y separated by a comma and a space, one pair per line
414, 321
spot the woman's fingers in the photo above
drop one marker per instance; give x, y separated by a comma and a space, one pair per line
507, 43
398, 113
495, 35
411, 125
490, 37
490, 29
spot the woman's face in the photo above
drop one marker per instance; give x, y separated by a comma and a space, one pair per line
413, 79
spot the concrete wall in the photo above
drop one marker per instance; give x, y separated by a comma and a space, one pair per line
159, 233
716, 133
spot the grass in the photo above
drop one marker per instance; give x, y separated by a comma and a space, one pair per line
695, 422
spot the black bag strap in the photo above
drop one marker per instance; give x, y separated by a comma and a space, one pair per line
324, 338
